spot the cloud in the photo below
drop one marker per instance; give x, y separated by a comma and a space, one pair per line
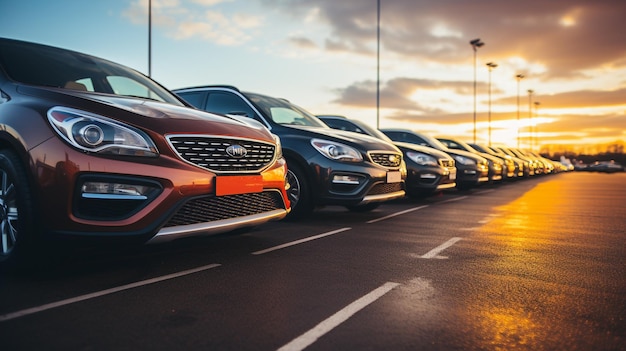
565, 36
577, 99
184, 20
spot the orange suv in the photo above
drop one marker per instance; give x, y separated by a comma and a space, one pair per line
92, 149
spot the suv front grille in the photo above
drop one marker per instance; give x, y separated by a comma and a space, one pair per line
211, 153
389, 160
215, 208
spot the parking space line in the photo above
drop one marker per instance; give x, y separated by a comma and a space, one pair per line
33, 310
292, 243
396, 214
434, 253
308, 338
452, 200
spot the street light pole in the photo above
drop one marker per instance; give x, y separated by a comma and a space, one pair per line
530, 116
149, 38
537, 103
490, 66
378, 66
476, 43
518, 77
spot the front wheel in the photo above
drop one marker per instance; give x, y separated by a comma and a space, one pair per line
299, 192
16, 213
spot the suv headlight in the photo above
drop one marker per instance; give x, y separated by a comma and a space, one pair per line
336, 151
279, 146
464, 160
421, 159
93, 133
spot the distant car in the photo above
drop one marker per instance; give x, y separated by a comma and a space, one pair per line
529, 164
428, 170
605, 167
514, 168
91, 149
472, 169
497, 167
325, 166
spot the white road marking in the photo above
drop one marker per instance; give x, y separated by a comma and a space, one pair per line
396, 214
434, 253
308, 338
452, 200
33, 310
300, 241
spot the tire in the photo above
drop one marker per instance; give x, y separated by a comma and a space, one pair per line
364, 208
17, 222
299, 192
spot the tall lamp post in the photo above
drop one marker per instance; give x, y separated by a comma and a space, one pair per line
476, 43
490, 66
530, 118
149, 38
518, 77
536, 143
378, 64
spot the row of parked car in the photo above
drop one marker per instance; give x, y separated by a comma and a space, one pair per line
90, 149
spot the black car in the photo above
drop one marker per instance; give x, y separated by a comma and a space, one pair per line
514, 166
325, 166
497, 168
428, 170
471, 169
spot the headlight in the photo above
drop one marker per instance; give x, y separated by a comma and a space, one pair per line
421, 159
98, 134
464, 160
336, 151
279, 146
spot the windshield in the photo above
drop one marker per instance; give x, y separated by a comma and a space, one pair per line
42, 65
434, 142
283, 112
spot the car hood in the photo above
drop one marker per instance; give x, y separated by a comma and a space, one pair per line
466, 154
423, 149
359, 141
152, 116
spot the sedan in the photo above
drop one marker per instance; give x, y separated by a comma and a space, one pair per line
94, 150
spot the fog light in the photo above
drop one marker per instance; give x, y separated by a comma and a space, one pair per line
115, 190
346, 179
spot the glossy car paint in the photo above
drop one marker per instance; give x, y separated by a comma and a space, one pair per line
472, 172
56, 170
434, 173
319, 175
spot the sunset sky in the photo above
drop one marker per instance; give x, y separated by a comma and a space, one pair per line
322, 55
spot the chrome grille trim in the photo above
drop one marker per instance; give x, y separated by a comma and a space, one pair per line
382, 158
209, 152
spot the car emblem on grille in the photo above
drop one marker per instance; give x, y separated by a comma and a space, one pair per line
393, 158
236, 151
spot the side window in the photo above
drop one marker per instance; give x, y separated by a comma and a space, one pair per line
395, 136
227, 103
417, 140
195, 98
345, 125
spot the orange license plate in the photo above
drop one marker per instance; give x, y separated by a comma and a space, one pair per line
231, 185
